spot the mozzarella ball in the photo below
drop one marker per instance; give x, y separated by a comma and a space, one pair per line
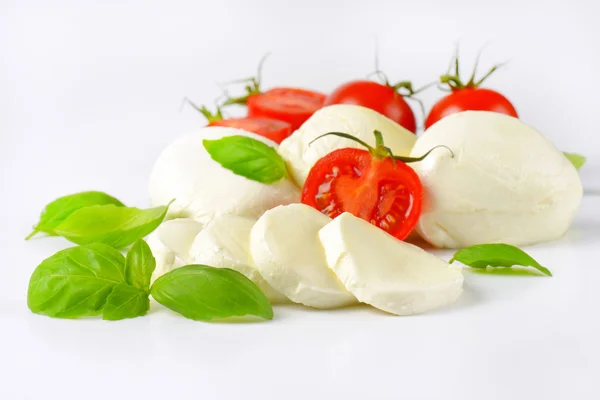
352, 119
506, 183
202, 189
225, 243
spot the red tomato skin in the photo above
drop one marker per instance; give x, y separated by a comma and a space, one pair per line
270, 128
375, 96
292, 105
351, 180
474, 99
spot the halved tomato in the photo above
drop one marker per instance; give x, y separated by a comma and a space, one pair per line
371, 184
267, 127
291, 105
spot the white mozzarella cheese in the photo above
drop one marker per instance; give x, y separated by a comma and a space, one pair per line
225, 243
202, 189
388, 274
506, 183
288, 254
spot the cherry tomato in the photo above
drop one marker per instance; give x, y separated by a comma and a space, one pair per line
291, 105
382, 98
470, 98
374, 189
270, 128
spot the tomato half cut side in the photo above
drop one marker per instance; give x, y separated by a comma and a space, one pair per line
387, 194
267, 127
291, 105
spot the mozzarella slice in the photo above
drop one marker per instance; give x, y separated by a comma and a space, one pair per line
385, 272
505, 184
225, 243
358, 121
166, 260
288, 254
178, 235
202, 189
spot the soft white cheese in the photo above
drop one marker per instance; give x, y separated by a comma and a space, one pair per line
388, 274
166, 260
355, 120
177, 235
225, 243
203, 189
288, 254
506, 183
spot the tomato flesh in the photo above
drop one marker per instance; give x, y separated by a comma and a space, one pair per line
475, 99
351, 180
378, 97
291, 105
270, 128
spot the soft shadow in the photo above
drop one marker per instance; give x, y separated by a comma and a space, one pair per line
513, 271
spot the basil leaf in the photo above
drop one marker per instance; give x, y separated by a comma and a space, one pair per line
58, 210
247, 157
115, 226
139, 265
203, 293
75, 282
576, 159
496, 255
125, 301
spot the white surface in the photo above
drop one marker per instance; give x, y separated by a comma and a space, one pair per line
90, 94
507, 337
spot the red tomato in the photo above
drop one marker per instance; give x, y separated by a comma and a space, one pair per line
381, 98
470, 98
373, 189
267, 127
285, 104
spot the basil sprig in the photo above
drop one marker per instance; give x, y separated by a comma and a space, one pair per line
247, 157
96, 279
58, 210
496, 255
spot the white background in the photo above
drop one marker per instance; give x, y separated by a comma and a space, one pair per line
91, 91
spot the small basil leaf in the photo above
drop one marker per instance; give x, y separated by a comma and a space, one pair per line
496, 255
139, 265
125, 301
247, 157
115, 226
58, 210
203, 293
75, 282
576, 159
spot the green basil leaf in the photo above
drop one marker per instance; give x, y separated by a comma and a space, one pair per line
496, 255
125, 301
247, 157
115, 226
58, 210
576, 159
139, 265
75, 282
203, 293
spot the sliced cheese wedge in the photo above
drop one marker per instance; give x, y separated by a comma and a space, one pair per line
225, 243
178, 235
385, 272
286, 250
